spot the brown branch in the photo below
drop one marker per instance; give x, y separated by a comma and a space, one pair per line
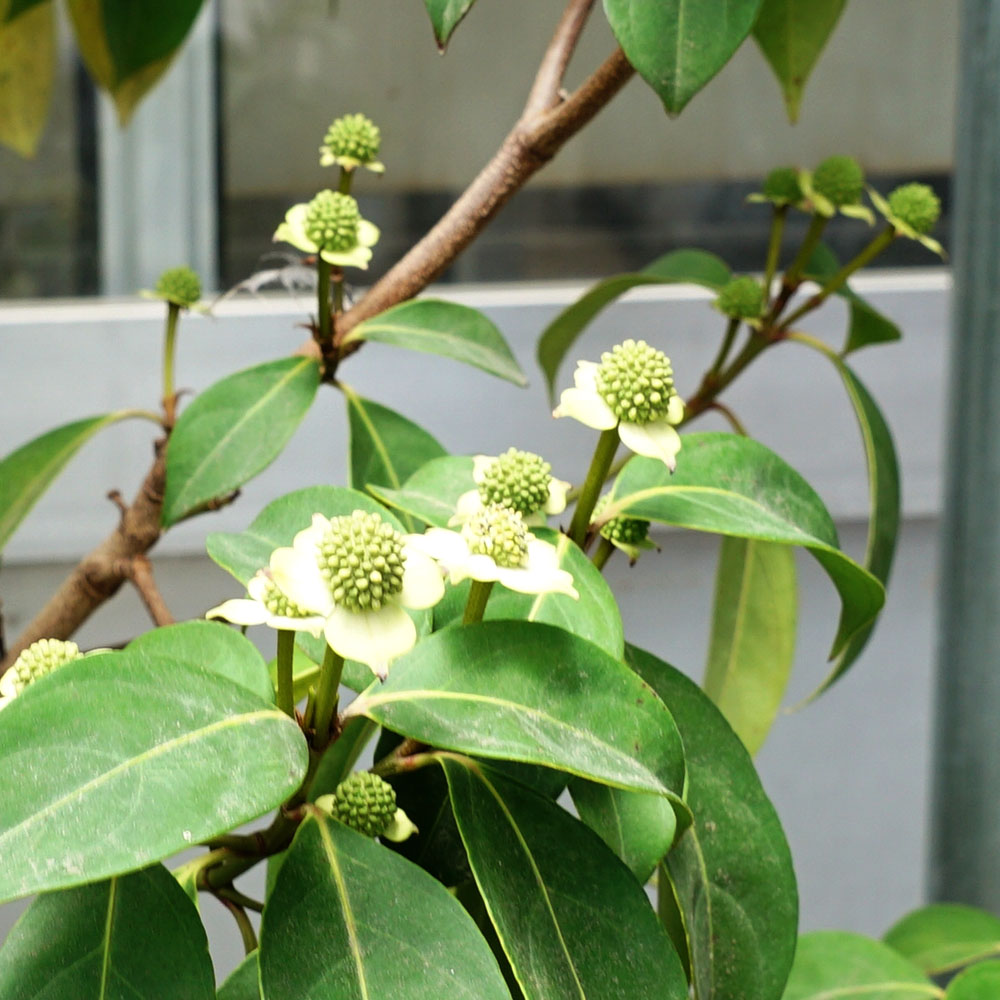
530, 144
139, 570
99, 575
548, 81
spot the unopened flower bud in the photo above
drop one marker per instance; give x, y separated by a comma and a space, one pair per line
741, 298
840, 179
916, 205
180, 286
782, 185
364, 802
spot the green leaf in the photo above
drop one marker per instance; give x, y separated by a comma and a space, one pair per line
445, 15
594, 616
385, 447
244, 982
944, 936
572, 920
28, 58
733, 485
530, 692
432, 492
752, 642
234, 430
154, 759
637, 826
136, 936
731, 869
695, 267
388, 930
981, 982
444, 328
792, 34
128, 47
678, 46
209, 645
243, 553
867, 325
838, 964
884, 503
25, 474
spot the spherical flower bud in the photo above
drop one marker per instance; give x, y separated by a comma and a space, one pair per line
332, 221
622, 530
840, 179
364, 802
277, 603
353, 140
517, 479
916, 205
500, 533
741, 298
636, 381
782, 185
39, 659
180, 286
361, 559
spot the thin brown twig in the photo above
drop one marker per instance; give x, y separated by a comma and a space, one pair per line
546, 89
139, 570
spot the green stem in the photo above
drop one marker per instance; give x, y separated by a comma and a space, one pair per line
813, 235
242, 922
324, 316
286, 682
326, 697
734, 421
169, 350
346, 177
815, 344
604, 552
774, 247
724, 348
479, 594
604, 455
338, 291
838, 281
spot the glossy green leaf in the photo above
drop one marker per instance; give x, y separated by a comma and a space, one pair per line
678, 46
839, 964
243, 553
733, 485
694, 267
867, 325
378, 927
530, 692
981, 982
205, 645
446, 329
572, 920
234, 430
28, 58
137, 937
792, 34
128, 47
432, 492
752, 641
244, 982
385, 448
945, 936
884, 500
154, 759
445, 15
637, 826
593, 616
26, 473
732, 869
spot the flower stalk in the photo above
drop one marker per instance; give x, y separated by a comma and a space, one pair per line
604, 454
169, 352
475, 606
327, 693
286, 653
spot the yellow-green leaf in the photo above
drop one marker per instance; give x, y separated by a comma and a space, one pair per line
27, 69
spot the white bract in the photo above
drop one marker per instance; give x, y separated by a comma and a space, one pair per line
267, 605
495, 546
520, 480
631, 389
330, 225
359, 574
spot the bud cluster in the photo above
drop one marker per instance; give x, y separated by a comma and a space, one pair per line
636, 381
500, 533
361, 559
517, 479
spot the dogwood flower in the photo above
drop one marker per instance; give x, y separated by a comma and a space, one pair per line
631, 389
520, 480
495, 546
352, 141
912, 210
331, 226
267, 605
835, 186
39, 659
359, 574
629, 534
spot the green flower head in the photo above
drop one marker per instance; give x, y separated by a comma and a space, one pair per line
741, 298
626, 533
836, 185
352, 141
330, 225
366, 803
39, 659
180, 286
782, 187
912, 210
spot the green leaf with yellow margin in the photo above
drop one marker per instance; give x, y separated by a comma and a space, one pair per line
27, 72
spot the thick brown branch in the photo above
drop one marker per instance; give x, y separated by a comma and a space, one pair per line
99, 575
549, 78
139, 570
531, 143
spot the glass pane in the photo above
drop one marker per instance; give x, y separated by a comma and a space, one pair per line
632, 186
